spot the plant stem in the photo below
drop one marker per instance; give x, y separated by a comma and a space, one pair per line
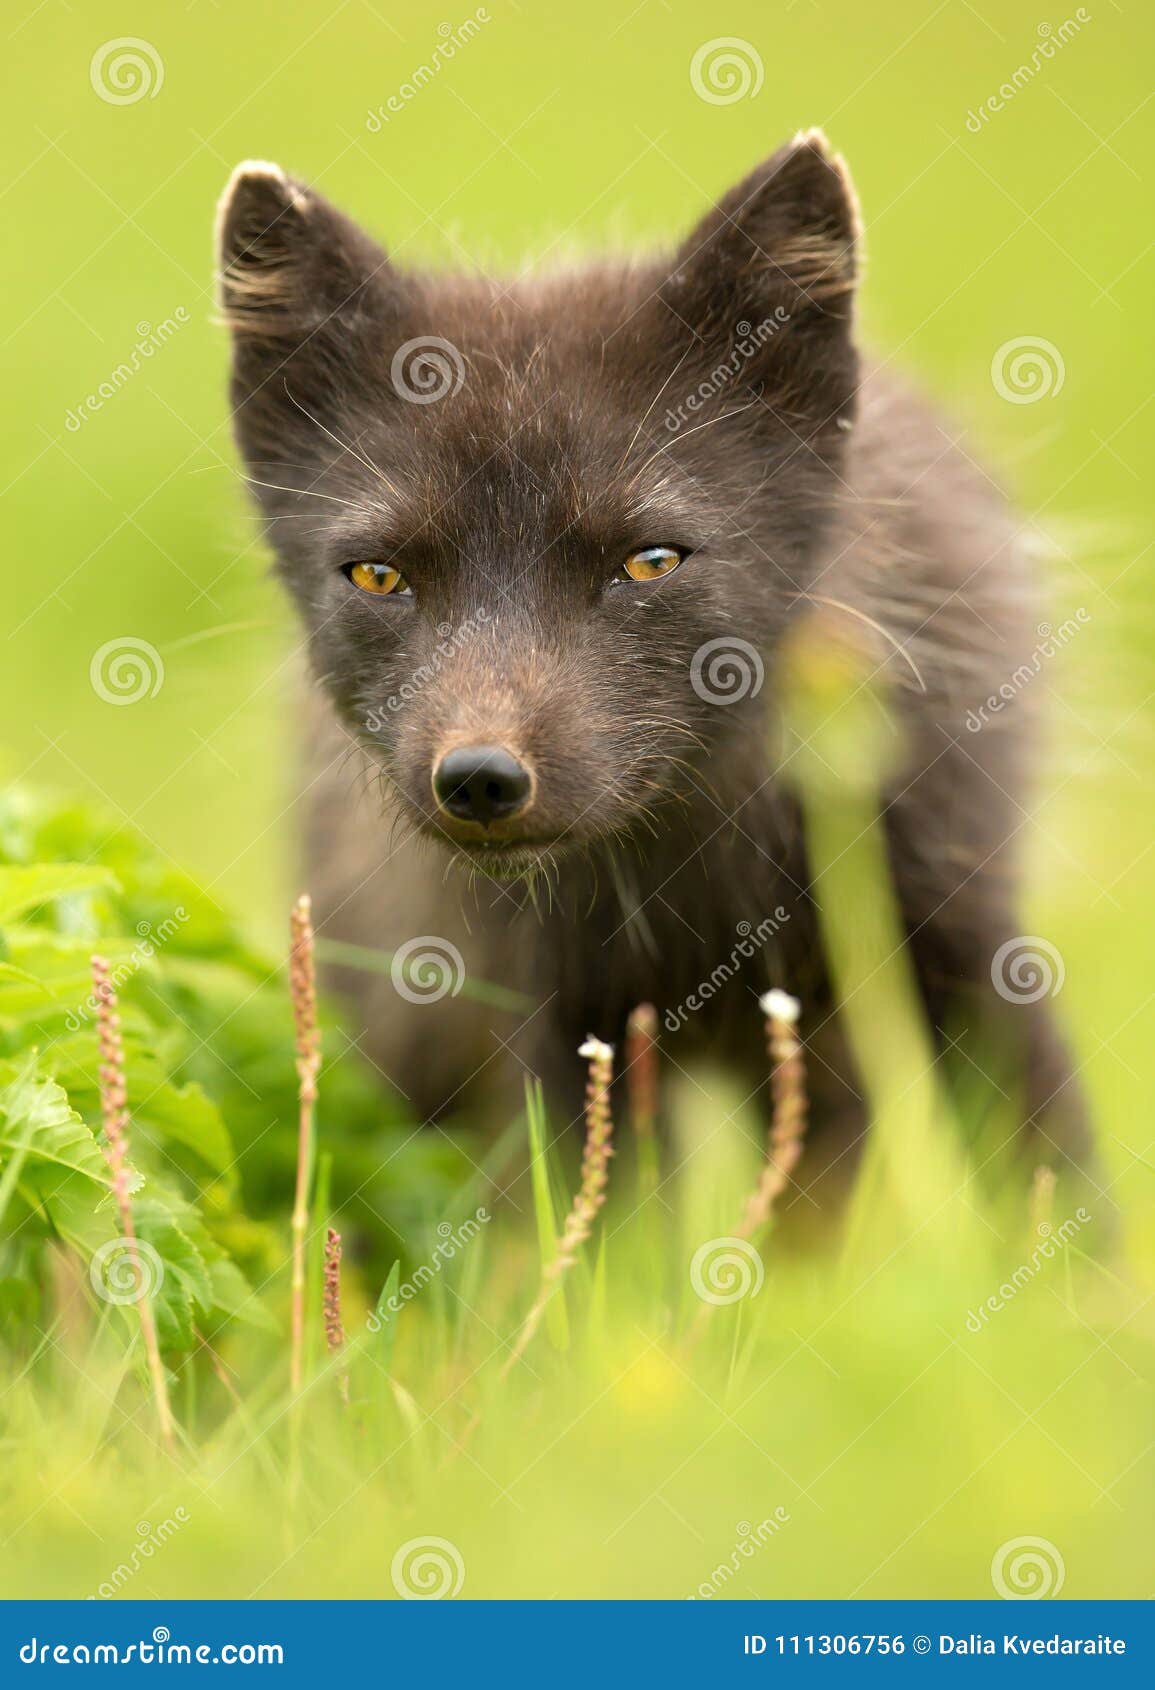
114, 1111
642, 1084
303, 991
334, 1325
591, 1193
788, 1127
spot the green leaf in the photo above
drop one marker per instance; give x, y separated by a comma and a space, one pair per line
37, 1118
185, 1115
387, 1317
381, 962
184, 1288
556, 1318
235, 1298
24, 889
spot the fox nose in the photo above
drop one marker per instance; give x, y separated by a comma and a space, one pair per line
481, 783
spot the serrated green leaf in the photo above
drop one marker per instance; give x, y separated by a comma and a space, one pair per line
185, 1286
37, 1118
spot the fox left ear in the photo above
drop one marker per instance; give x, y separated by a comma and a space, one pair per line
287, 260
310, 301
777, 257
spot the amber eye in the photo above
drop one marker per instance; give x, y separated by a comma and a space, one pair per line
376, 578
651, 561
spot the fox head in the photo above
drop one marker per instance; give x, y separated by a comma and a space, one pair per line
542, 532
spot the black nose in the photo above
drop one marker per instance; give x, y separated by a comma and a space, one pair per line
481, 783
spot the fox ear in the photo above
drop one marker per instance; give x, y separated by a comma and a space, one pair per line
780, 251
286, 258
310, 302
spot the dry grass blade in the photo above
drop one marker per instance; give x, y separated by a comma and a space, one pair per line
591, 1193
1042, 1202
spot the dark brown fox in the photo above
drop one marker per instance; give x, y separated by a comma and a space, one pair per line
546, 538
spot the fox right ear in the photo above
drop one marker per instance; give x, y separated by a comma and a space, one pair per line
780, 251
289, 263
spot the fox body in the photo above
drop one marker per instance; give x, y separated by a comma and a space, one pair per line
549, 539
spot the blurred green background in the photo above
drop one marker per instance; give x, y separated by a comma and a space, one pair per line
554, 129
557, 129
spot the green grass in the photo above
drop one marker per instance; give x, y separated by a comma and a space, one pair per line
854, 1424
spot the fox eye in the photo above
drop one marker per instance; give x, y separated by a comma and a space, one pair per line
649, 562
376, 578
